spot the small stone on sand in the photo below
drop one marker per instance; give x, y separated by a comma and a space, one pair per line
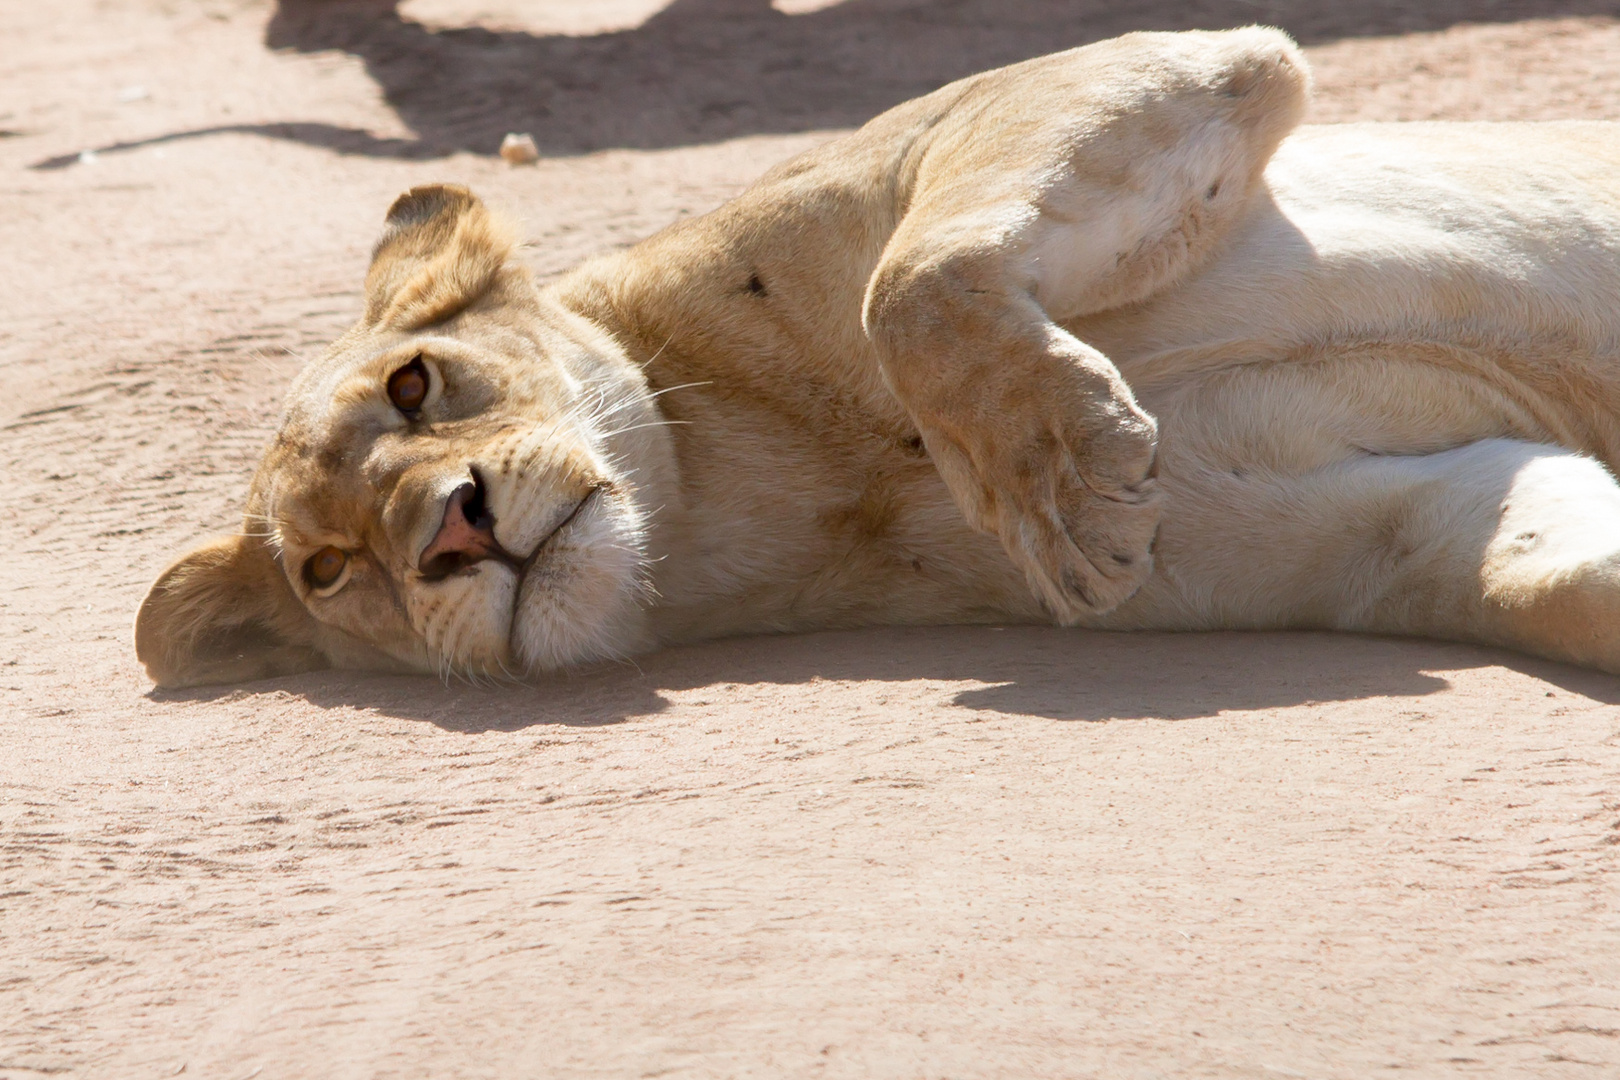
519, 149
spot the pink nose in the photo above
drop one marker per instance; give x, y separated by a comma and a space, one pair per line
466, 535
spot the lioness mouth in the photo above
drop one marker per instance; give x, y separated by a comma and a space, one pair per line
466, 535
545, 541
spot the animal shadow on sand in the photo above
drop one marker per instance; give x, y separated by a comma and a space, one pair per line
700, 71
1036, 672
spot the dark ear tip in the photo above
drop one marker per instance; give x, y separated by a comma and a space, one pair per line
428, 201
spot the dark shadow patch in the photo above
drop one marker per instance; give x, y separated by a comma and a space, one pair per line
592, 697
1036, 672
341, 139
705, 70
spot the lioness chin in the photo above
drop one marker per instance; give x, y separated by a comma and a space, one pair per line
1099, 338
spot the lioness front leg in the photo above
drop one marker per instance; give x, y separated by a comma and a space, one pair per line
1044, 192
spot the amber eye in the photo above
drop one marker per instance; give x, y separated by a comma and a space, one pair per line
325, 567
408, 387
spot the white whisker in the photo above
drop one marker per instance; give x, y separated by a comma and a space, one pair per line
654, 357
680, 386
638, 427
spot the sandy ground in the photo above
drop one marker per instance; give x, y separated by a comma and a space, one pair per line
945, 853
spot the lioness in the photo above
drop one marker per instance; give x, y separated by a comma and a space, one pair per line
1083, 339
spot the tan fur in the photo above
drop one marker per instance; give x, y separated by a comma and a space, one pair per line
1091, 338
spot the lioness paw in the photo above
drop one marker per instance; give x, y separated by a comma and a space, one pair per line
1073, 499
1035, 432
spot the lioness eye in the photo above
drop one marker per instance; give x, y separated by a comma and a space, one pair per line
325, 566
408, 387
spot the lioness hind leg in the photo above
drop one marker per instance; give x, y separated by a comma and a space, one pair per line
1551, 572
1049, 190
1501, 542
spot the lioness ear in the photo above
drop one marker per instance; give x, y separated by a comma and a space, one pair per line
224, 613
441, 251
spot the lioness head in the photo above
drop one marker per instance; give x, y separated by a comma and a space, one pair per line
460, 484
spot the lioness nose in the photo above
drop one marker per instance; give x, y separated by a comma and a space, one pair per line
465, 536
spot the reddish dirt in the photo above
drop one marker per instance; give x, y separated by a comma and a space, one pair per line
956, 852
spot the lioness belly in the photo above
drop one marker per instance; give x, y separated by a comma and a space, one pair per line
1438, 258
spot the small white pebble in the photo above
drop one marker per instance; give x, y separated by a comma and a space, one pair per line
519, 149
133, 93
87, 157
